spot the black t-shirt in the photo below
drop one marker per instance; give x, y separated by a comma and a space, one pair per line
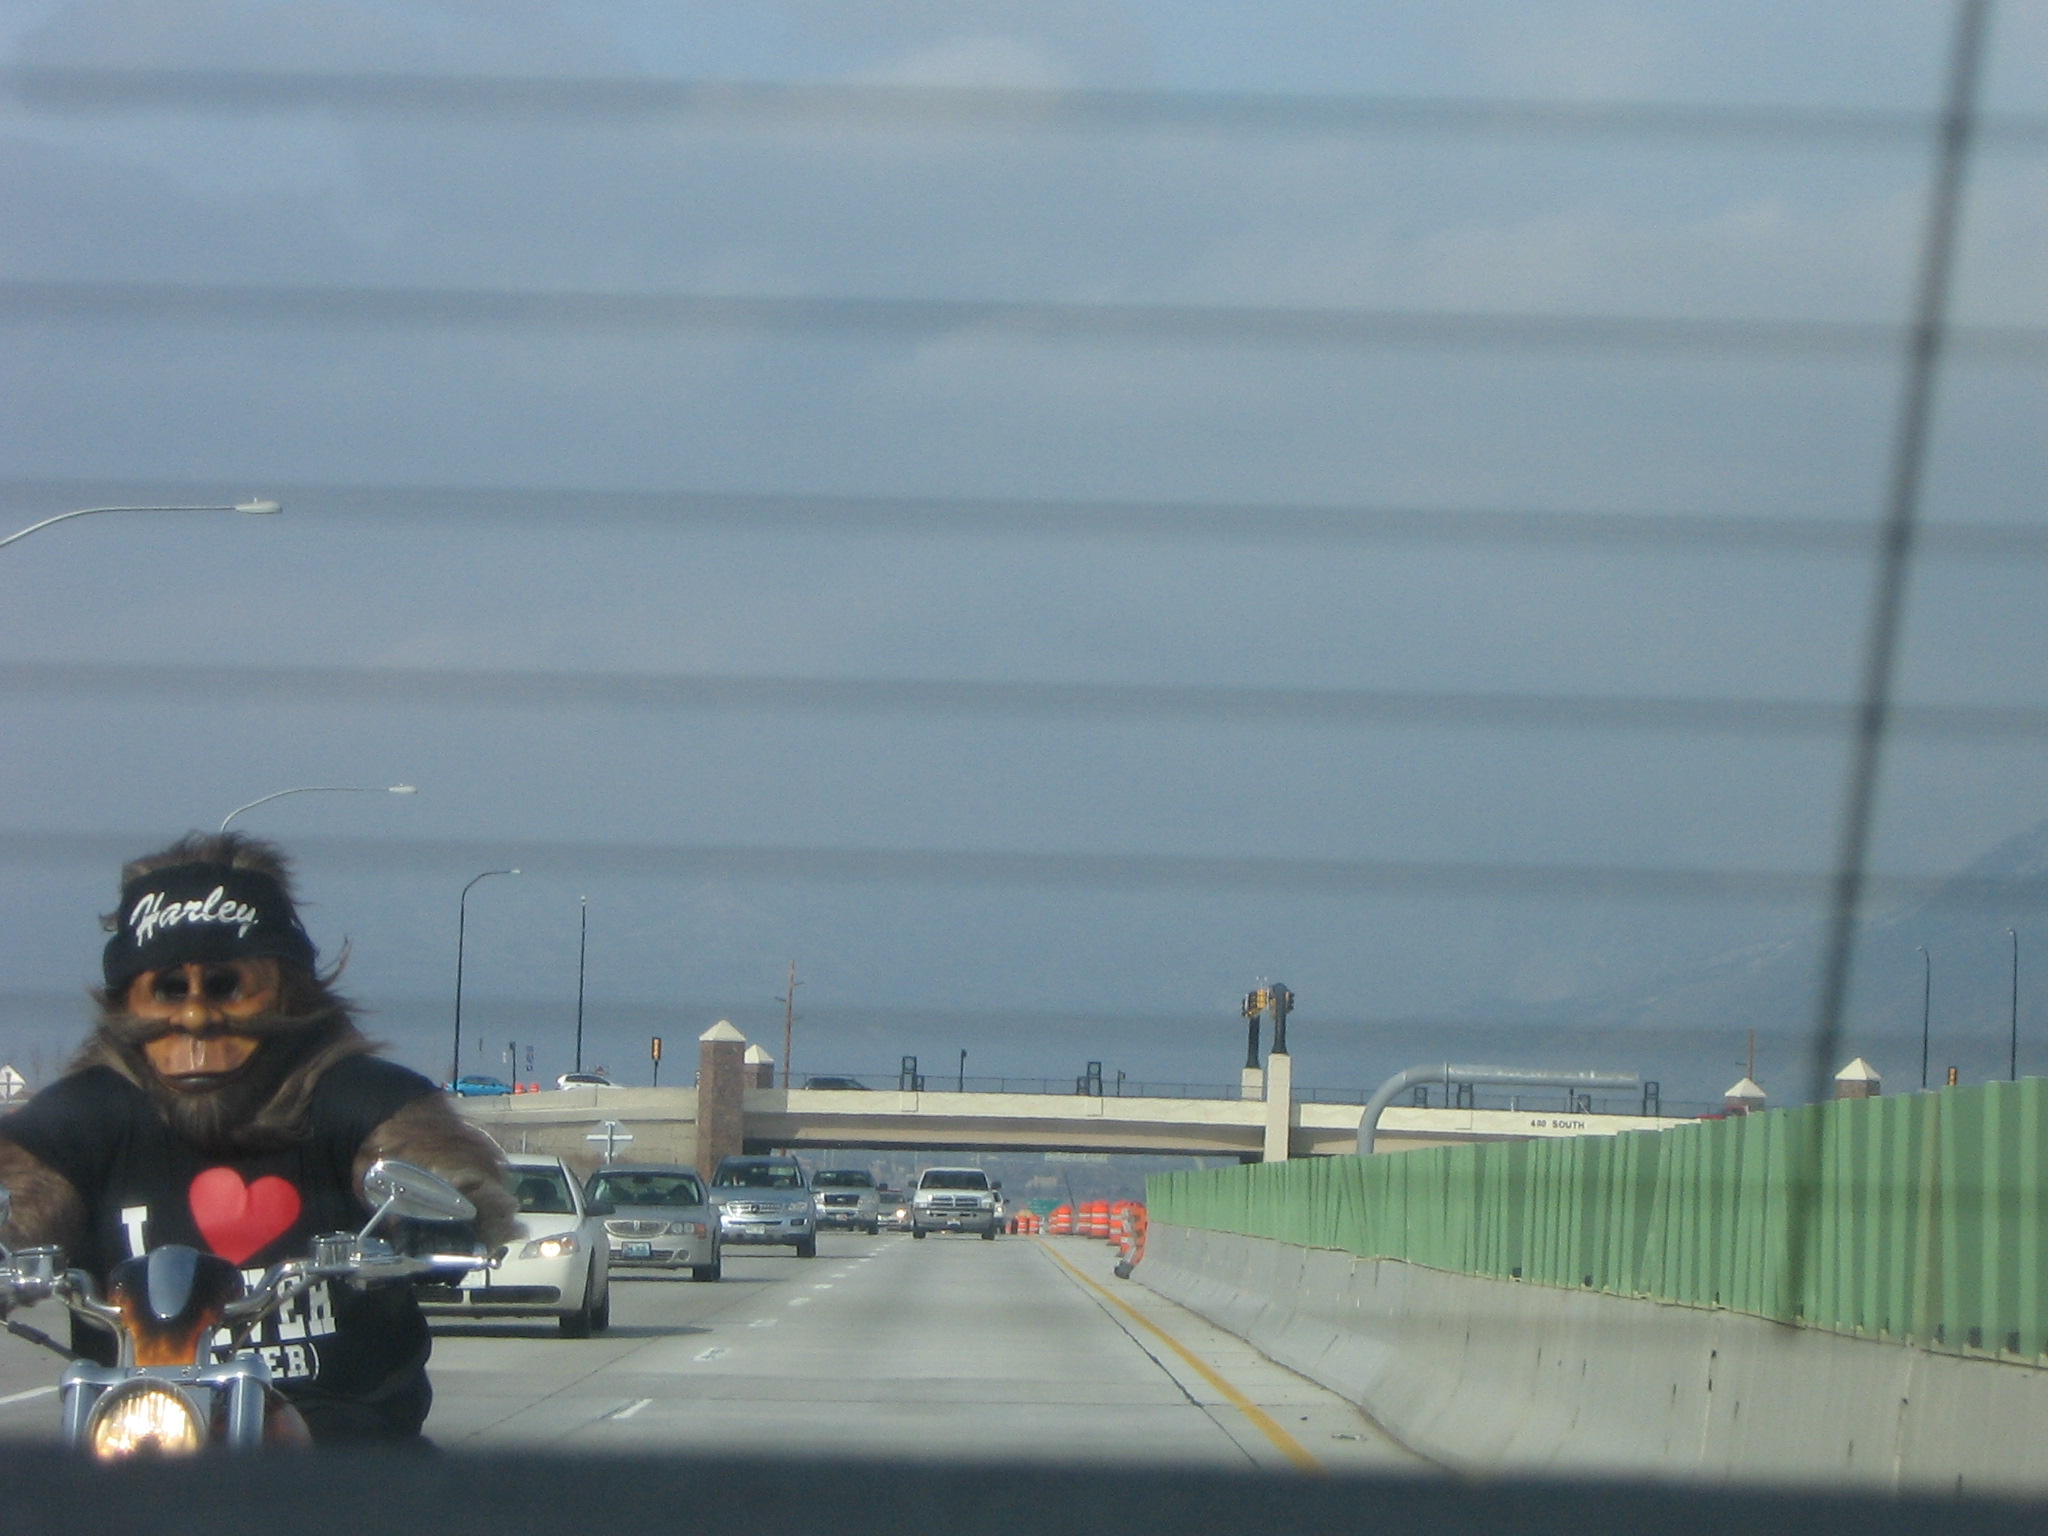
144, 1186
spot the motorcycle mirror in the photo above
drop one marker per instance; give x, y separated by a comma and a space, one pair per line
402, 1189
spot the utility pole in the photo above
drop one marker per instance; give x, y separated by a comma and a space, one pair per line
788, 1001
582, 951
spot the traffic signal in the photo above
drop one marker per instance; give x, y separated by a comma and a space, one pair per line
656, 1052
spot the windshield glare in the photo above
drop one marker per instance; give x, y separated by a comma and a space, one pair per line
954, 1178
760, 1176
647, 1189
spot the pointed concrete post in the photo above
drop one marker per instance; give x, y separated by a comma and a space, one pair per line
760, 1068
1743, 1099
721, 1096
1858, 1080
1279, 1105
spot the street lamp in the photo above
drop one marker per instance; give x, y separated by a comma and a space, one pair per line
253, 508
582, 950
2013, 1061
461, 927
1926, 1008
317, 789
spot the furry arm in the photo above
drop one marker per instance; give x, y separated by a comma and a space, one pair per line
47, 1210
429, 1133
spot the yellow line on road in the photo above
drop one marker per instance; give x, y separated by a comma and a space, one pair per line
1261, 1420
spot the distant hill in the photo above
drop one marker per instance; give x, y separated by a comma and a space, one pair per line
1771, 986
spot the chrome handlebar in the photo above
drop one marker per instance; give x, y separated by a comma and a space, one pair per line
30, 1275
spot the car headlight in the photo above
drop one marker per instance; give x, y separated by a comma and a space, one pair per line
144, 1417
686, 1228
559, 1246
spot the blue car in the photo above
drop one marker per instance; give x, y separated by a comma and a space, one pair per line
477, 1087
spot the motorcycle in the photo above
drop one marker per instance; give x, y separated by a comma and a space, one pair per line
168, 1393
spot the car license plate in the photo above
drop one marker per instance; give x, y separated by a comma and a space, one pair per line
638, 1250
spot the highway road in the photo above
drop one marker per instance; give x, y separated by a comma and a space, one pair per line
952, 1348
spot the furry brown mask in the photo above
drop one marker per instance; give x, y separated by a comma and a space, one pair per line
260, 1105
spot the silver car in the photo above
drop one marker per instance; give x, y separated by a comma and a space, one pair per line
847, 1197
765, 1200
661, 1219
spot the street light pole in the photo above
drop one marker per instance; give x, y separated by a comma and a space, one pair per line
582, 949
461, 929
317, 789
253, 508
1926, 1008
2013, 1059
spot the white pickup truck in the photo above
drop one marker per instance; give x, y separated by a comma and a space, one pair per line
954, 1200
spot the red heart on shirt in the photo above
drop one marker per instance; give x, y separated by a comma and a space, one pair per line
238, 1219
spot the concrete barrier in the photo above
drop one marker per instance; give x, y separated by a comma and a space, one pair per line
1498, 1376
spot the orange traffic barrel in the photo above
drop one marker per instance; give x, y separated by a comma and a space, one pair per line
1062, 1221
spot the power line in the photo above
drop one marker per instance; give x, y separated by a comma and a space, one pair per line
1235, 324
447, 687
53, 88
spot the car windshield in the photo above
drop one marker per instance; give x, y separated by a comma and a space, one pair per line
954, 1178
647, 1189
989, 545
760, 1176
542, 1192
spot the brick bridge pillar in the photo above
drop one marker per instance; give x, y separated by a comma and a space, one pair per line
721, 1095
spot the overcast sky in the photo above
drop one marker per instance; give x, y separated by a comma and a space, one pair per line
1224, 526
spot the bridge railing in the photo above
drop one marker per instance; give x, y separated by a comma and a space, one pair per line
1109, 1087
1460, 1096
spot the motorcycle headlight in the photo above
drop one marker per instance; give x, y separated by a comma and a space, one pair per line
141, 1417
557, 1247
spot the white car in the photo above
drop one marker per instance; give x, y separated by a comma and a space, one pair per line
558, 1266
955, 1200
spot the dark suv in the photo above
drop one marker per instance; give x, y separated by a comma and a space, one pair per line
847, 1197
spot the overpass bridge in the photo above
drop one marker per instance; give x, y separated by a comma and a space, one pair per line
730, 1112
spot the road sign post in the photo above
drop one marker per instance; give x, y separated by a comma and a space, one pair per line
655, 1051
613, 1135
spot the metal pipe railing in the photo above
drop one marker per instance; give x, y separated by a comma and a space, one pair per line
1493, 1077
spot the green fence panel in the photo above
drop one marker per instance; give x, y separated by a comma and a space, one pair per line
1926, 1214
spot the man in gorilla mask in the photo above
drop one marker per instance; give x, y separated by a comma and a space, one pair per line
226, 1100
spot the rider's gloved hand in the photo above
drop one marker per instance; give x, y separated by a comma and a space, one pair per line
420, 1239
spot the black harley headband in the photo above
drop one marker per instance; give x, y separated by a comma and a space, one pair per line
197, 913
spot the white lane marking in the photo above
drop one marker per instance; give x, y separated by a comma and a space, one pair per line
799, 1301
822, 1285
762, 1322
715, 1352
627, 1412
22, 1397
